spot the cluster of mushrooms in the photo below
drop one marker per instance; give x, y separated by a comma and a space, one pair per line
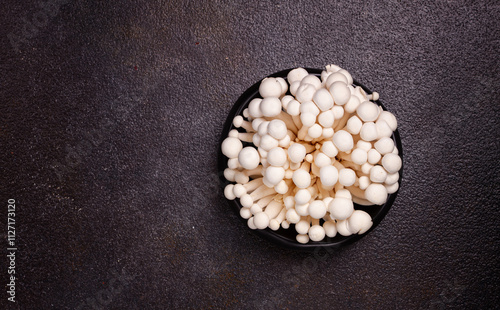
306, 157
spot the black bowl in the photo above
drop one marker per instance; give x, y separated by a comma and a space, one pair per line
287, 237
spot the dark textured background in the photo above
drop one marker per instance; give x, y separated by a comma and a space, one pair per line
110, 117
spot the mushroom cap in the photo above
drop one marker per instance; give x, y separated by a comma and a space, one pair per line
285, 142
343, 193
254, 108
289, 201
274, 224
383, 129
286, 100
292, 216
261, 220
347, 176
376, 193
384, 145
277, 129
233, 163
246, 201
307, 119
267, 142
392, 162
302, 196
302, 238
305, 92
329, 149
281, 187
251, 224
335, 77
297, 153
284, 85
326, 119
293, 108
241, 178
316, 233
338, 111
274, 175
270, 106
229, 174
315, 131
374, 156
341, 208
364, 181
328, 133
270, 87
228, 192
368, 111
294, 86
347, 75
317, 209
256, 123
330, 228
321, 160
389, 118
302, 227
340, 92
309, 107
276, 157
323, 99
343, 229
354, 125
301, 178
352, 104
313, 80
231, 147
378, 174
239, 190
238, 121
359, 222
368, 131
329, 175
296, 74
245, 213
262, 130
343, 141
249, 158
392, 188
359, 156
392, 178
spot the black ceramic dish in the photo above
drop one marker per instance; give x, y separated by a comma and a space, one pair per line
287, 237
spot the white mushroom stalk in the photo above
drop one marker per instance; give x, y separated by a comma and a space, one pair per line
309, 151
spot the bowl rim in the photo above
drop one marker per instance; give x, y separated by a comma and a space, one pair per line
278, 236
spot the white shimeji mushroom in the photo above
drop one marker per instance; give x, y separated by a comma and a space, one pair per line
249, 158
270, 87
231, 147
359, 222
316, 151
391, 162
343, 141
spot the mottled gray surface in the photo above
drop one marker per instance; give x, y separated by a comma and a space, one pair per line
110, 117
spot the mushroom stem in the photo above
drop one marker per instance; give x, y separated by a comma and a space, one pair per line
322, 191
355, 191
274, 208
239, 122
296, 120
287, 119
361, 201
253, 185
340, 123
262, 191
